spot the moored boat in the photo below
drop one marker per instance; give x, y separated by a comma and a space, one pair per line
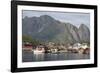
39, 49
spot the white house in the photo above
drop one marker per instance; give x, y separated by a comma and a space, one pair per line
84, 46
76, 46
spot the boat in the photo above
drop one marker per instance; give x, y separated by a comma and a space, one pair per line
54, 51
39, 50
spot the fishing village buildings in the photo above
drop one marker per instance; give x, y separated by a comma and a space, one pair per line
51, 47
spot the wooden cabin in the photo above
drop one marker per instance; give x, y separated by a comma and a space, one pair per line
87, 51
27, 47
81, 50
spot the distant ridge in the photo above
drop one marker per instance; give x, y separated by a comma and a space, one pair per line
46, 28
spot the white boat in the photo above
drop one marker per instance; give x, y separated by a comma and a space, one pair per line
54, 51
38, 51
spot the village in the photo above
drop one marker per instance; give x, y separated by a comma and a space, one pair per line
51, 47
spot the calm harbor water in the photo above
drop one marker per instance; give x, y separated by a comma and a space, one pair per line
30, 57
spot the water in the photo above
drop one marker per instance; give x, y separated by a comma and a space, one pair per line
30, 57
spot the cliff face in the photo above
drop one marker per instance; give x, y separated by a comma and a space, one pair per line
46, 28
84, 33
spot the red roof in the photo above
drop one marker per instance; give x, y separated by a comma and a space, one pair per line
27, 46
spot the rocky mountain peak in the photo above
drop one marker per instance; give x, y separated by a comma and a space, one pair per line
47, 28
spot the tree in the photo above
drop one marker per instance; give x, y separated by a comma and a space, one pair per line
26, 38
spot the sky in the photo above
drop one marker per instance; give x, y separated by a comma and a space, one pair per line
69, 17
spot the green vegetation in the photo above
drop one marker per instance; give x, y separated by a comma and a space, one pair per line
29, 39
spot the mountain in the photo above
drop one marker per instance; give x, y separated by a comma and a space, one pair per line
46, 28
84, 33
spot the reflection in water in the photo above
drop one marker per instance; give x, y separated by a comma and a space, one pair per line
38, 57
30, 57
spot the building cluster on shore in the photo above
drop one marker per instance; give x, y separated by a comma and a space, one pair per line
57, 48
